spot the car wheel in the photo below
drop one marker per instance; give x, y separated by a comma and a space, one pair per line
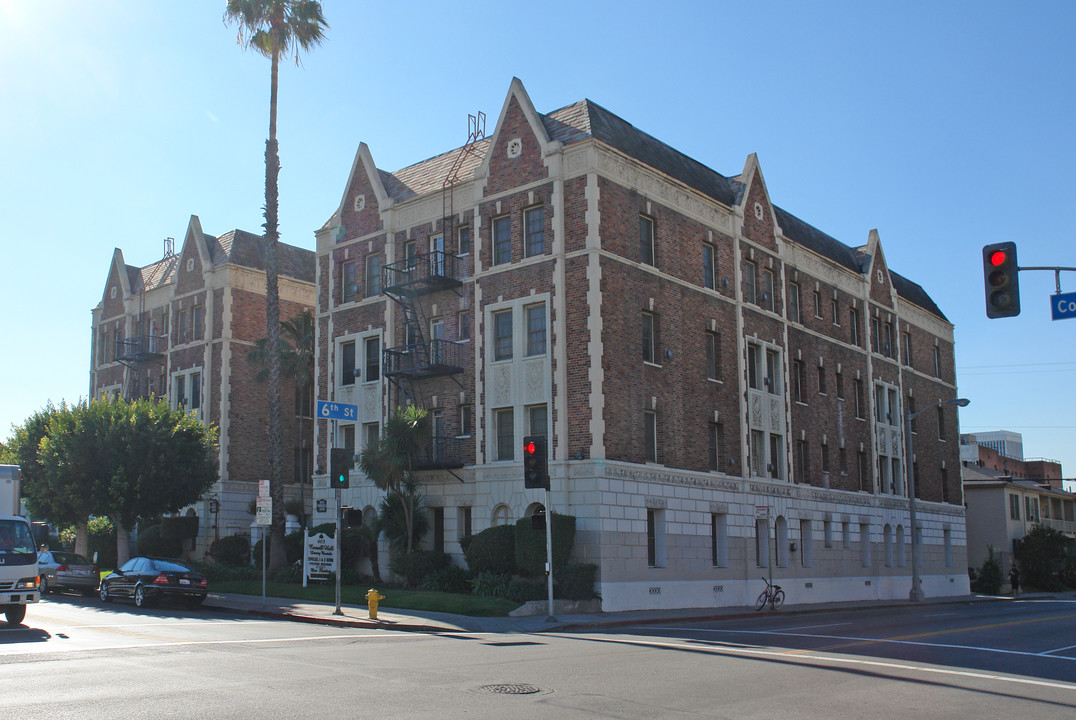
105, 597
43, 586
15, 614
140, 596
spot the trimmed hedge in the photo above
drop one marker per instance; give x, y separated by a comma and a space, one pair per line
575, 581
231, 550
530, 544
493, 550
415, 567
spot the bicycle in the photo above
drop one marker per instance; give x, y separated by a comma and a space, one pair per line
773, 594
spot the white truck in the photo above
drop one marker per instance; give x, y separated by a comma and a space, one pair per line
18, 553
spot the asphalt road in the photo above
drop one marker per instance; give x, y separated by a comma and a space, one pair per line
76, 657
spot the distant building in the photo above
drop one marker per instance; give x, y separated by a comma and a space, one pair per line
1004, 442
723, 386
180, 328
982, 450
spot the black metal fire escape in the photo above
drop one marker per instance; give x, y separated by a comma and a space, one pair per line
137, 352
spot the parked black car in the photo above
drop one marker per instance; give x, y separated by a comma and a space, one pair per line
147, 580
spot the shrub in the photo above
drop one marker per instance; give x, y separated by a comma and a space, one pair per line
293, 548
232, 550
988, 580
102, 541
493, 550
223, 573
452, 579
522, 589
575, 581
492, 585
292, 573
152, 543
530, 544
1041, 557
415, 567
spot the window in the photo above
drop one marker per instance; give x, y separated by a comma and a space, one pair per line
836, 317
766, 301
537, 420
373, 359
858, 387
793, 302
410, 251
655, 537
817, 304
534, 231
466, 420
463, 523
941, 423
757, 451
437, 256
719, 539
197, 321
773, 372
465, 240
894, 411
709, 255
712, 349
463, 325
937, 362
1014, 507
803, 460
650, 337
887, 340
504, 424
302, 462
825, 458
879, 404
875, 332
842, 458
754, 378
187, 391
1031, 507
373, 275
370, 432
750, 280
775, 463
861, 469
184, 332
821, 380
906, 348
853, 326
646, 240
799, 380
717, 445
650, 429
436, 343
502, 240
838, 382
535, 315
347, 363
502, 335
348, 287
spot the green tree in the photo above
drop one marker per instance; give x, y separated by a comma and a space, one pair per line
390, 459
1041, 557
274, 28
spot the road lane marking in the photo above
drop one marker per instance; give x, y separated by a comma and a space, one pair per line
845, 661
811, 627
1057, 650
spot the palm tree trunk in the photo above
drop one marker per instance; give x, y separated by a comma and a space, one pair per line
277, 552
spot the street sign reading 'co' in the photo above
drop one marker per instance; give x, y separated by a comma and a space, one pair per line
1063, 306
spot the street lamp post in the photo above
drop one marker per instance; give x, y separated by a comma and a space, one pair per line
916, 593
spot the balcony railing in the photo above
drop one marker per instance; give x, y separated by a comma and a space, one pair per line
442, 453
427, 359
141, 347
437, 270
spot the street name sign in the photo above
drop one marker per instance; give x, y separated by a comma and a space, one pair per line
1063, 306
337, 411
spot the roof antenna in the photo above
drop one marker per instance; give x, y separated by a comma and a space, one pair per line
169, 247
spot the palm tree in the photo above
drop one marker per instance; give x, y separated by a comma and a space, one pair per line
273, 28
389, 460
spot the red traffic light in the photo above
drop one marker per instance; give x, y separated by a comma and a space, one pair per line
530, 448
998, 257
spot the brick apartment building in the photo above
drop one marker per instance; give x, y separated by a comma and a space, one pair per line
181, 328
722, 384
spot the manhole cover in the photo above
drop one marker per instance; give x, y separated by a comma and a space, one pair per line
512, 689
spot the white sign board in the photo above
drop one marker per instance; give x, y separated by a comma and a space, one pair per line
263, 488
318, 555
762, 512
264, 514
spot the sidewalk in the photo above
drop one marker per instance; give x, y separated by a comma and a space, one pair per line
357, 616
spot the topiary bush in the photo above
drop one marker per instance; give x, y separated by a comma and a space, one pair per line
231, 550
493, 550
452, 579
988, 580
575, 581
415, 567
530, 544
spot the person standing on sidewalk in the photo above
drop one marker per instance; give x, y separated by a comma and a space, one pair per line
1014, 580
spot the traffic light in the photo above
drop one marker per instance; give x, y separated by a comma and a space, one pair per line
535, 465
339, 468
1002, 280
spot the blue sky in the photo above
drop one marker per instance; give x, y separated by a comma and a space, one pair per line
945, 125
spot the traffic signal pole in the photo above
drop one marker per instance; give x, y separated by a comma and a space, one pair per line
549, 553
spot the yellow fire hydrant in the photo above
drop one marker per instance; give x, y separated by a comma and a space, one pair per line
373, 597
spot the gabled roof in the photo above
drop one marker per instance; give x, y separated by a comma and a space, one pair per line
586, 120
248, 250
152, 276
